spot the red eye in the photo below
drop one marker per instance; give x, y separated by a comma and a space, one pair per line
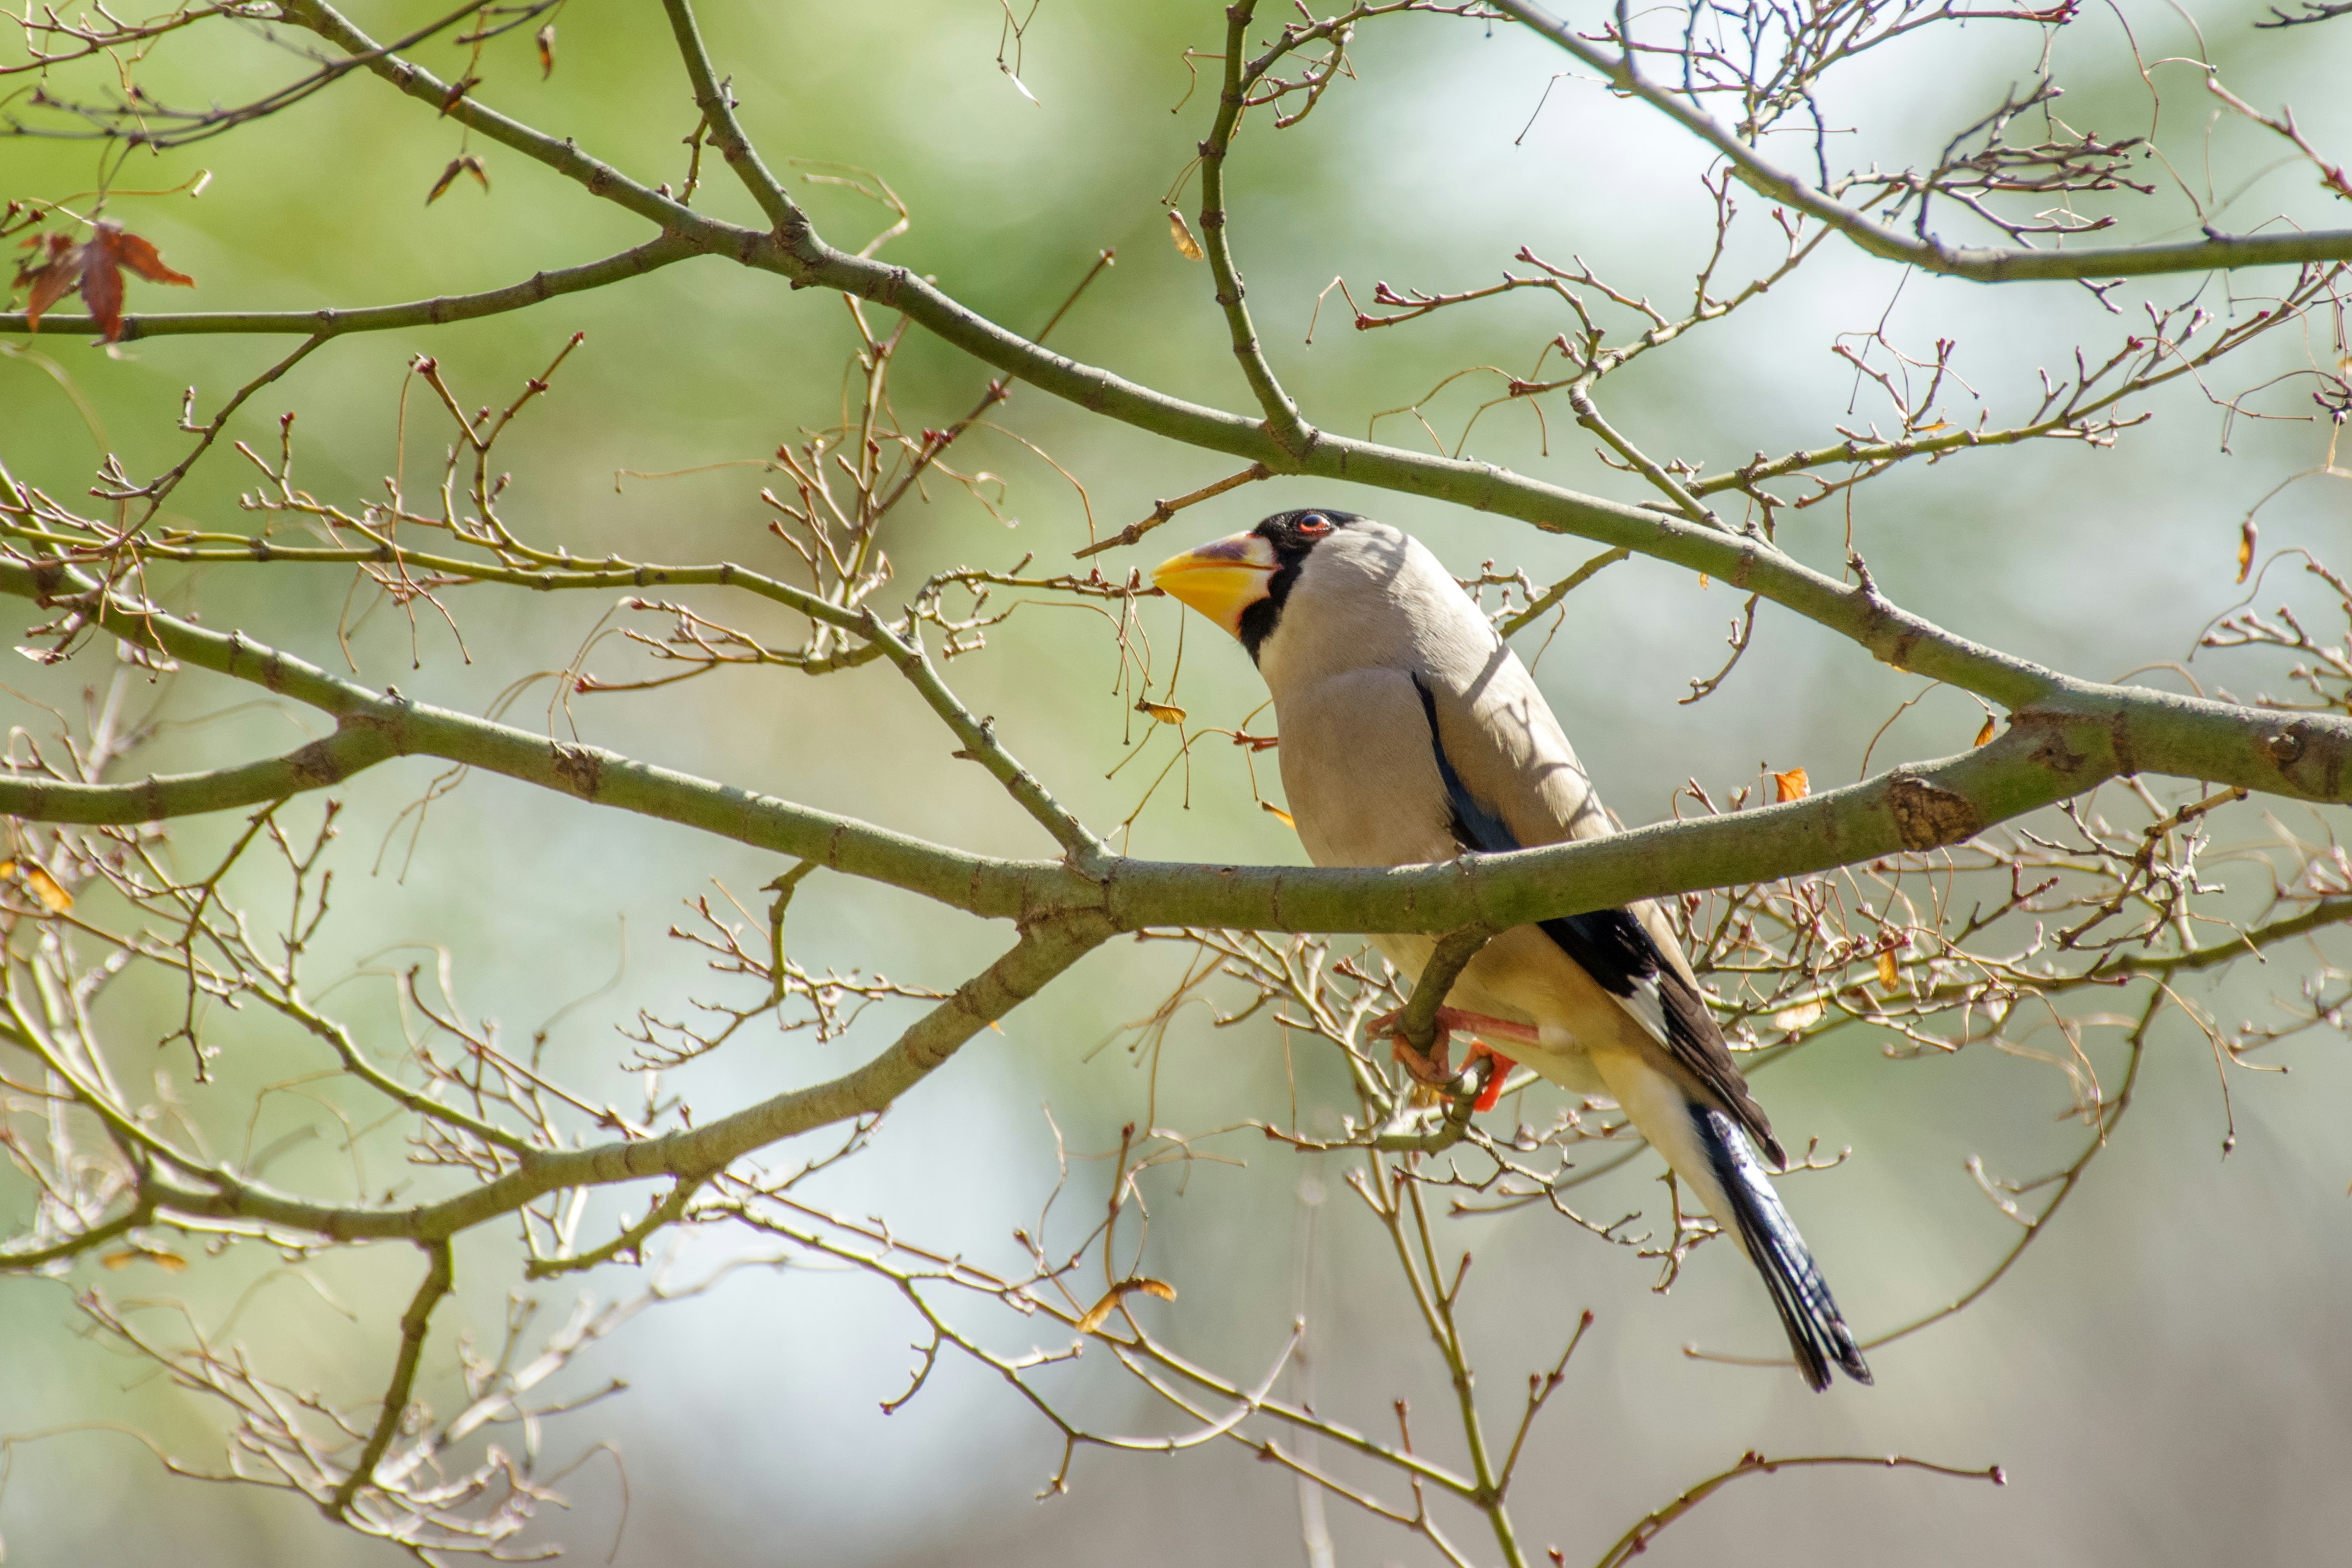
1314, 524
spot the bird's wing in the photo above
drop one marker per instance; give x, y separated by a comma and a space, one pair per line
1637, 961
1714, 1165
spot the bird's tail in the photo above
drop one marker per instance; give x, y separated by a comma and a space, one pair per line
1816, 1332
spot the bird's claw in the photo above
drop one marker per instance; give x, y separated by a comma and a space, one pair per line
1428, 1068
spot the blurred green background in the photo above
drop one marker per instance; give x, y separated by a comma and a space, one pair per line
2164, 1380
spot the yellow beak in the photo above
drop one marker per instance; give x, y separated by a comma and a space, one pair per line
1221, 578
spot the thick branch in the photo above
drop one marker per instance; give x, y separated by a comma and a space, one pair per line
438, 311
1284, 423
2060, 746
1045, 950
402, 727
318, 765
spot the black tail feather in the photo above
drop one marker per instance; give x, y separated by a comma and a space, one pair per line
1817, 1334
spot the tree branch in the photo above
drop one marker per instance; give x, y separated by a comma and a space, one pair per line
1980, 263
440, 1278
1288, 428
2076, 736
1045, 950
319, 765
440, 311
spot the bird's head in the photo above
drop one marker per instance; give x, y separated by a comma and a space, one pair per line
1241, 582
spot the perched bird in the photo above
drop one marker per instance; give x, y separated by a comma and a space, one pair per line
1411, 733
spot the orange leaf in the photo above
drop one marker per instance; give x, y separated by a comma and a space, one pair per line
2246, 537
1182, 233
1101, 1310
170, 1262
95, 268
1888, 976
1985, 734
142, 256
1267, 805
1166, 712
546, 40
46, 889
1790, 785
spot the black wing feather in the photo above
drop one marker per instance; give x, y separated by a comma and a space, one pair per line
1615, 949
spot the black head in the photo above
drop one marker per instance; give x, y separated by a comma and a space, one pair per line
1294, 535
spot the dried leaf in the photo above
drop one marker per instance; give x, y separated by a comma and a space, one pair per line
1790, 785
139, 254
465, 163
1166, 712
1985, 734
46, 889
1702, 581
1803, 1015
545, 38
95, 268
170, 1262
1101, 1310
56, 276
1182, 233
457, 90
1889, 977
2246, 537
1288, 821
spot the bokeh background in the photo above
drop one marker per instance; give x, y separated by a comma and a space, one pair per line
2165, 1379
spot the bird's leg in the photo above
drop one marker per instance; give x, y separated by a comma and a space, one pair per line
1426, 1066
1492, 1093
1431, 1070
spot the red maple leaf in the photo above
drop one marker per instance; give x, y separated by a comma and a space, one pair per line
59, 267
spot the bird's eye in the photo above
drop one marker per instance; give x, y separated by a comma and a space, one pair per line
1314, 525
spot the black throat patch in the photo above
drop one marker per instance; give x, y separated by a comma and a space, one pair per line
1294, 535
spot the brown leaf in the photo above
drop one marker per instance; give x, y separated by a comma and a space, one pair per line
464, 163
1790, 785
46, 889
1182, 233
142, 256
1267, 805
2246, 537
545, 37
458, 89
95, 268
1985, 734
56, 276
1101, 1310
1888, 978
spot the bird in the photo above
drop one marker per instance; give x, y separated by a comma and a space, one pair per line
1411, 733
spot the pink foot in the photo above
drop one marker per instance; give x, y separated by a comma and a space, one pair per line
1432, 1069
